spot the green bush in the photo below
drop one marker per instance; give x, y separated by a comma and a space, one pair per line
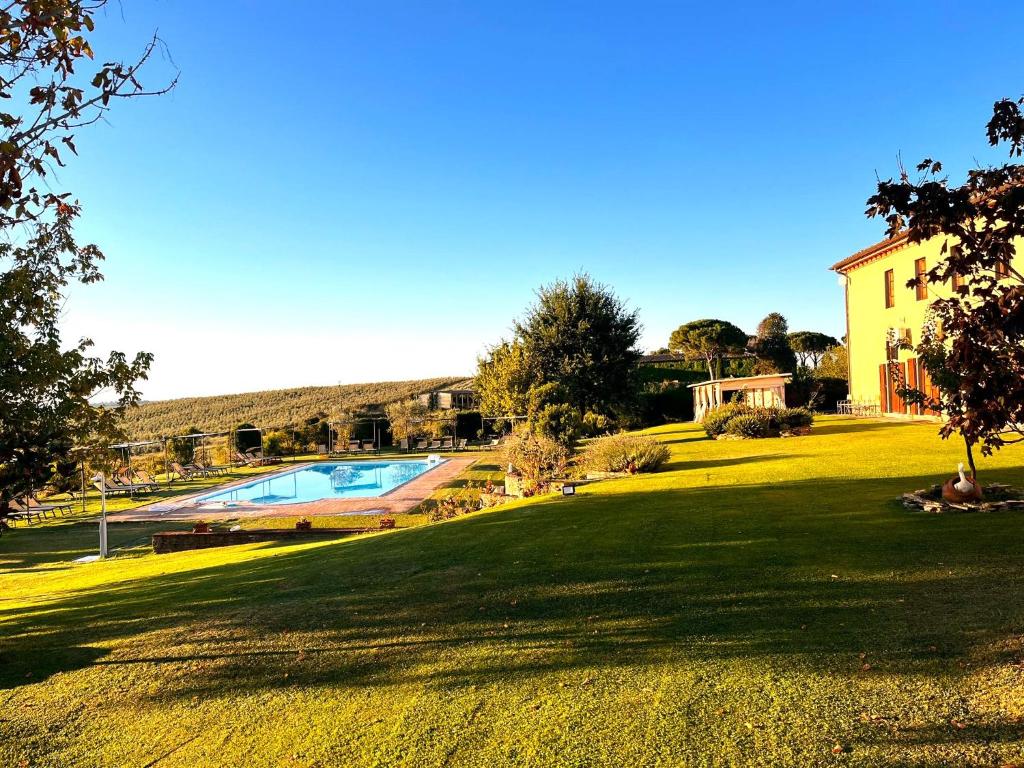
717, 419
536, 457
625, 453
756, 423
795, 418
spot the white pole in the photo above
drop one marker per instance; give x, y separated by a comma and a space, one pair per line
102, 480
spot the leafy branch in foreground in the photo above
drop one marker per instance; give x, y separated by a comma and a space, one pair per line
973, 346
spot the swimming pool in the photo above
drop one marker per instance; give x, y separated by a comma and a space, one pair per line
327, 480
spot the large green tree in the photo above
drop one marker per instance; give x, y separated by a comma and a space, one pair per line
578, 340
809, 346
708, 340
48, 388
771, 345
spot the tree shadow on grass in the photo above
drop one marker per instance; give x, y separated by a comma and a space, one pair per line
724, 462
683, 574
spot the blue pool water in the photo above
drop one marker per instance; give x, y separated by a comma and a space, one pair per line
329, 480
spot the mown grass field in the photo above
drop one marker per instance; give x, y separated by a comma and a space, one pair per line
757, 603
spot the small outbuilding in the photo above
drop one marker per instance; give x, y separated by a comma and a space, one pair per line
767, 391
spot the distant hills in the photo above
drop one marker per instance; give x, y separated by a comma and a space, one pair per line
272, 409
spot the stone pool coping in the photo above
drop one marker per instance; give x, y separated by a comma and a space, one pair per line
397, 501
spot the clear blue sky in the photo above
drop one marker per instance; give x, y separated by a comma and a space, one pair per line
358, 191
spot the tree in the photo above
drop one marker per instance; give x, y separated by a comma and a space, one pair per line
708, 340
771, 345
834, 363
578, 336
47, 390
973, 343
504, 379
809, 346
406, 418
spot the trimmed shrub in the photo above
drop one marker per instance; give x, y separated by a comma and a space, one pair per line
717, 419
625, 453
752, 424
795, 418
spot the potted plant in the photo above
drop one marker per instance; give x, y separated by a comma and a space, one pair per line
387, 523
201, 527
304, 525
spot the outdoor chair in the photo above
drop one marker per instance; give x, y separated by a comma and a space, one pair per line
369, 447
63, 507
112, 490
126, 479
146, 478
210, 469
434, 445
21, 506
353, 446
186, 472
422, 445
447, 444
461, 443
403, 444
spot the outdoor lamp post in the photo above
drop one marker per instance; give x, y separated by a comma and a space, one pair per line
103, 513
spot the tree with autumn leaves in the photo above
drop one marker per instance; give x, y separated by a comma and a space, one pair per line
973, 344
47, 389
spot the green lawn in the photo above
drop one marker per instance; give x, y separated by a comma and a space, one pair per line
757, 603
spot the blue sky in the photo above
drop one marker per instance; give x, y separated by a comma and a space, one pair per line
344, 192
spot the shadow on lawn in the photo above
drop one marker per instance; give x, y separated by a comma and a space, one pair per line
702, 573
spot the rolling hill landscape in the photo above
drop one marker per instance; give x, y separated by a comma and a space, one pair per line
271, 409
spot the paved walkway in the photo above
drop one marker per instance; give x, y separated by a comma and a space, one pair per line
400, 500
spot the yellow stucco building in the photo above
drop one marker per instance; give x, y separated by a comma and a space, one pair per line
877, 300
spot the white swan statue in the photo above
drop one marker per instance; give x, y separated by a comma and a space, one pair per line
964, 485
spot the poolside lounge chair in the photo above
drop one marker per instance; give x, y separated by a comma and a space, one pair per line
422, 445
447, 444
353, 446
404, 444
111, 490
145, 478
368, 446
21, 506
461, 443
209, 469
126, 479
187, 472
434, 445
63, 507
261, 460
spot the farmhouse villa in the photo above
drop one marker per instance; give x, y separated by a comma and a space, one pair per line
879, 305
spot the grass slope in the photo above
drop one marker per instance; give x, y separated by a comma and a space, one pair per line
758, 603
270, 409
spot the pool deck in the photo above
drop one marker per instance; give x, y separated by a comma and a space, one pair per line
401, 499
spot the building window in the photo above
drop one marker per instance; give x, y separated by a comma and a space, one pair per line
1002, 269
920, 280
890, 289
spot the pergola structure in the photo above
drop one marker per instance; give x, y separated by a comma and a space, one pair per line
766, 391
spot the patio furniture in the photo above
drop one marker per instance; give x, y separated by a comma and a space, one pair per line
110, 490
404, 444
434, 445
461, 443
422, 445
21, 506
63, 507
186, 472
447, 444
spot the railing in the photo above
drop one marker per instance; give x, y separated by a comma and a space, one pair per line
852, 408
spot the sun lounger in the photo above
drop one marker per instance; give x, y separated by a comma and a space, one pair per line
422, 445
434, 445
461, 443
111, 490
21, 507
447, 444
63, 507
